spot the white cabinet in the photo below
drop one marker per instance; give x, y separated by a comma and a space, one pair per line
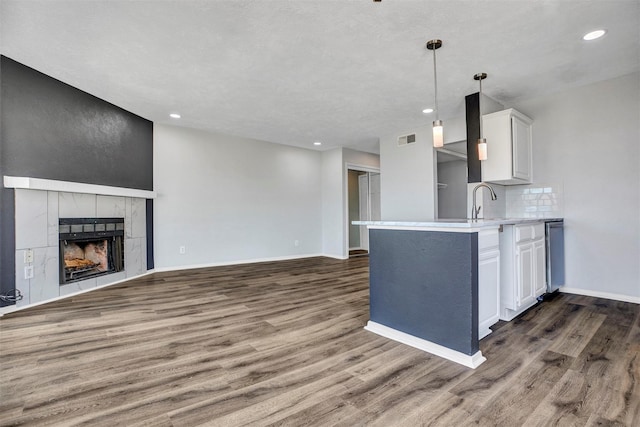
540, 267
524, 294
488, 281
522, 268
509, 151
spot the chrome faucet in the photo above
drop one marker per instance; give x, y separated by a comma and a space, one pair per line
475, 211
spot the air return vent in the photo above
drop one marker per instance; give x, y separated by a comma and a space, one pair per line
406, 139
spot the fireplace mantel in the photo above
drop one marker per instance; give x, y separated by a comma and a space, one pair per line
29, 183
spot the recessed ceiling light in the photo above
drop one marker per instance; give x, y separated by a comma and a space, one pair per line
428, 110
317, 143
174, 115
594, 35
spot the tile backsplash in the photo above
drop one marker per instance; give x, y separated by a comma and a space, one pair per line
535, 201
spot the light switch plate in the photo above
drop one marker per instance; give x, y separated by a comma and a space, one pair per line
28, 272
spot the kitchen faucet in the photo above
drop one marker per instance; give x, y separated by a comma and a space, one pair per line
475, 211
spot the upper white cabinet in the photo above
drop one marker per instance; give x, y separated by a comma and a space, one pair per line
509, 156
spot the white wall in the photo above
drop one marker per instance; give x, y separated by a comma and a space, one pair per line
407, 177
229, 199
408, 172
587, 142
335, 215
360, 158
333, 199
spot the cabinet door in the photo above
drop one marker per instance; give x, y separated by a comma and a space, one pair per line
488, 291
524, 274
521, 146
539, 273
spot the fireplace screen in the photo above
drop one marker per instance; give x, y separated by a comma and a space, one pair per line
90, 247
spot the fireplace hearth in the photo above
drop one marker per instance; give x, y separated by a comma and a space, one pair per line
90, 247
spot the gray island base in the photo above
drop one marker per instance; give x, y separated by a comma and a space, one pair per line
424, 291
439, 286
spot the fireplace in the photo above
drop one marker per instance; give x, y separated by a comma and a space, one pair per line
90, 247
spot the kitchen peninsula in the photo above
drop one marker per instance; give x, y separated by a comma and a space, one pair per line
437, 285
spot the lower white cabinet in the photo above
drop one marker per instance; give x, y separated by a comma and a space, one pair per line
488, 281
522, 268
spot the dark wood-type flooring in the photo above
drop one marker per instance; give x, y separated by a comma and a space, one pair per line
283, 344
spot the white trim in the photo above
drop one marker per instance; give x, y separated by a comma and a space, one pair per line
362, 168
430, 347
598, 294
243, 261
13, 308
29, 183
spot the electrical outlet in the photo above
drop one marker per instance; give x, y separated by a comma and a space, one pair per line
183, 250
28, 256
296, 243
28, 272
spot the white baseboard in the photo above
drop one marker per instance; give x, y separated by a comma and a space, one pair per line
430, 347
13, 308
598, 294
242, 261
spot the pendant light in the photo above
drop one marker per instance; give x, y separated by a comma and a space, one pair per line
438, 137
482, 142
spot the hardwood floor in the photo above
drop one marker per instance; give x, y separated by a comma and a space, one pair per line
283, 344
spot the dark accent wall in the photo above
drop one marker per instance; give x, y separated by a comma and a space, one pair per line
55, 131
52, 130
425, 283
472, 107
150, 259
7, 242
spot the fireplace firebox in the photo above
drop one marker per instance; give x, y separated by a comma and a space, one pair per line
90, 247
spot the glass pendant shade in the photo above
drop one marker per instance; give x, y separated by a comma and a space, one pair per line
482, 149
438, 137
438, 131
482, 142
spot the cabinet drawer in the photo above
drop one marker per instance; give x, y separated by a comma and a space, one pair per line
529, 232
488, 239
538, 231
524, 232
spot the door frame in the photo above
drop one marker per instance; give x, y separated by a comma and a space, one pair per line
345, 198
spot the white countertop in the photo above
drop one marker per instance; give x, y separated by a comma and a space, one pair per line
452, 224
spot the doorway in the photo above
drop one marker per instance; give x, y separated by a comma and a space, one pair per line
363, 204
451, 172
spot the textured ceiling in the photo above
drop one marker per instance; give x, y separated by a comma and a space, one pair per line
294, 72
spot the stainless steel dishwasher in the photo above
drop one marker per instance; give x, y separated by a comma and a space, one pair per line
554, 231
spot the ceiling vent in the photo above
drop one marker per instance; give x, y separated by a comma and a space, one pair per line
406, 139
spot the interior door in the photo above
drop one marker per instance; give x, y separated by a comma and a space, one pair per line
369, 186
363, 186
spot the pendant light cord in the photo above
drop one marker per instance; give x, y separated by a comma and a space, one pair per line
480, 107
435, 83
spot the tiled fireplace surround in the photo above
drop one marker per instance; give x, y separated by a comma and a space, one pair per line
37, 213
